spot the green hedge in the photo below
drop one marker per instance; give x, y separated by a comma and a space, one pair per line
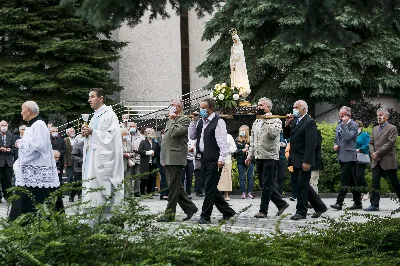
132, 237
329, 181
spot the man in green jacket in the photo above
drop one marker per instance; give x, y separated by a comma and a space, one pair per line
174, 152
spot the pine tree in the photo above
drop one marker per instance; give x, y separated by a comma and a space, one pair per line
50, 55
317, 50
114, 12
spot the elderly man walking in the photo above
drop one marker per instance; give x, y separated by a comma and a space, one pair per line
302, 131
36, 154
382, 147
174, 152
264, 148
345, 146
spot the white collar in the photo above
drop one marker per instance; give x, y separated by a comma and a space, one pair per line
209, 118
100, 111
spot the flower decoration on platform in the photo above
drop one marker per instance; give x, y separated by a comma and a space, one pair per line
226, 97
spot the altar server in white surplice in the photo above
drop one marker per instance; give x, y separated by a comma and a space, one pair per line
102, 158
35, 169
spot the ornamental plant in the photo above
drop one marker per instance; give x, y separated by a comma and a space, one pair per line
226, 97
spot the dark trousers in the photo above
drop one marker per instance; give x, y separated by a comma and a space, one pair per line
295, 183
148, 182
280, 175
213, 195
359, 173
266, 169
199, 181
347, 180
70, 174
60, 173
177, 194
28, 200
187, 176
163, 181
305, 193
78, 187
377, 173
6, 173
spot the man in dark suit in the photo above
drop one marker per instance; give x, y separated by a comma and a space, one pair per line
7, 147
58, 144
174, 152
345, 146
302, 131
382, 148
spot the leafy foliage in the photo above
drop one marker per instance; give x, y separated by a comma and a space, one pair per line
52, 56
131, 237
114, 12
316, 50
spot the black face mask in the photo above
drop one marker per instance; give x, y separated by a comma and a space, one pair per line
260, 112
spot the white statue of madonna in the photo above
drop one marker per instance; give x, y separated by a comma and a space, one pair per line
239, 76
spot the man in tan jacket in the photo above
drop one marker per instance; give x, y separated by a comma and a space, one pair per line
382, 148
264, 148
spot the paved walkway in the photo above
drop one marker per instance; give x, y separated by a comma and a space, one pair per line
247, 208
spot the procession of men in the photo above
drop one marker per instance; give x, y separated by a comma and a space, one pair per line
95, 159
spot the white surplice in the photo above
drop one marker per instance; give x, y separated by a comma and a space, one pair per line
36, 165
103, 159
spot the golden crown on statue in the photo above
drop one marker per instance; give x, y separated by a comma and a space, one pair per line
233, 31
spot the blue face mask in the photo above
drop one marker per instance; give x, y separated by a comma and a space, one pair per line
242, 133
296, 113
125, 137
203, 113
132, 130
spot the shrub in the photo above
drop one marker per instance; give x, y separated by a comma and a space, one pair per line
51, 238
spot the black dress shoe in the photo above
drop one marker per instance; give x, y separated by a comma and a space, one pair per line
282, 209
318, 214
166, 219
226, 218
292, 199
355, 207
189, 216
336, 206
204, 221
297, 217
372, 209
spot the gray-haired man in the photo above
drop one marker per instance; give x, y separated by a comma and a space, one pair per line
174, 152
345, 145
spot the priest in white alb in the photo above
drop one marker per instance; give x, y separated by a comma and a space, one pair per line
103, 156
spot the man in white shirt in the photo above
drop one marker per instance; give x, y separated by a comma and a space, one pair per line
103, 156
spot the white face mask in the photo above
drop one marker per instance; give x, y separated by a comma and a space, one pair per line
125, 137
72, 136
4, 129
359, 130
54, 135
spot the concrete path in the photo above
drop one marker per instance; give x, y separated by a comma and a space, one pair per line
248, 208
